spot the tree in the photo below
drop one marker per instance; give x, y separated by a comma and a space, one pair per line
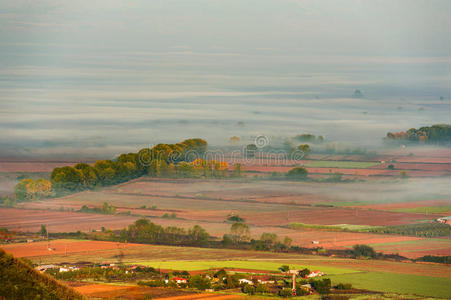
88, 175
43, 230
284, 268
66, 179
304, 272
21, 191
269, 239
199, 235
285, 292
304, 148
105, 170
298, 173
364, 251
287, 241
234, 140
249, 289
250, 150
43, 188
199, 282
236, 170
240, 232
322, 286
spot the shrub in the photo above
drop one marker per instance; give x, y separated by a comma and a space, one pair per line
285, 292
248, 289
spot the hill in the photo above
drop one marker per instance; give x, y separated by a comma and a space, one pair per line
21, 281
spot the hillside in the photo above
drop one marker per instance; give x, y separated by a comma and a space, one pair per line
20, 281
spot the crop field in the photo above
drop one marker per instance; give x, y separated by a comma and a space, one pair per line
59, 247
340, 164
28, 220
398, 283
426, 210
111, 291
387, 276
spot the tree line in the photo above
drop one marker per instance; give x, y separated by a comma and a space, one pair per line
435, 134
160, 160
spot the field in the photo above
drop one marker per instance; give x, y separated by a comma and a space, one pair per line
60, 247
387, 276
341, 164
267, 206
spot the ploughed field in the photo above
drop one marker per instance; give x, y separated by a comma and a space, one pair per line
266, 205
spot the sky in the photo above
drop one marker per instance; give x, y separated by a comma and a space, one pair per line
103, 77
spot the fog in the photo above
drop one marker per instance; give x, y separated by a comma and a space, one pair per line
99, 78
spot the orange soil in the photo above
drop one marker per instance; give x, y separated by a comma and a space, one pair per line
62, 247
31, 220
331, 216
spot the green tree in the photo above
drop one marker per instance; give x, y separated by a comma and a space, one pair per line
364, 251
66, 179
298, 173
88, 175
199, 282
240, 232
305, 148
43, 230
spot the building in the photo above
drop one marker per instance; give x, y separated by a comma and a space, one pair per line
245, 281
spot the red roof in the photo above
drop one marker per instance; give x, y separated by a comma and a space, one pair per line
178, 279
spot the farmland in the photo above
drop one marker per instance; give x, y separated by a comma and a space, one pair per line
395, 277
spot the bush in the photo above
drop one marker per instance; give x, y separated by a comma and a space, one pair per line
248, 289
199, 282
262, 289
285, 292
298, 173
322, 286
343, 286
364, 251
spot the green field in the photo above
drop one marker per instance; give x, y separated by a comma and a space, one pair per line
375, 281
341, 164
238, 264
426, 210
398, 283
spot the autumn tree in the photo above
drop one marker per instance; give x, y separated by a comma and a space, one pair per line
240, 232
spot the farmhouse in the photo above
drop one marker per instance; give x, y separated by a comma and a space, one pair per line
315, 273
445, 220
245, 281
179, 280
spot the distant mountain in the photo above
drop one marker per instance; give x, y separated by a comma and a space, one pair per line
18, 280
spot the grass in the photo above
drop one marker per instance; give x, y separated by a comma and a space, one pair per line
397, 283
425, 209
341, 164
336, 227
190, 265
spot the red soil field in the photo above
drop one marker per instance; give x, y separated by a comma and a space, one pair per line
106, 291
332, 216
62, 247
32, 166
26, 220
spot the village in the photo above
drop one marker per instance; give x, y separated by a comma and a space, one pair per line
285, 283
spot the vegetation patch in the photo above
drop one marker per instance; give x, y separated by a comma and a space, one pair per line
341, 164
197, 265
425, 209
397, 283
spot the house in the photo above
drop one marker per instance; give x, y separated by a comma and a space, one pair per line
315, 242
266, 281
245, 281
444, 220
315, 273
179, 280
44, 268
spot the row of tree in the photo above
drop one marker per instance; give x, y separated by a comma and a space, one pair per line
435, 134
179, 159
